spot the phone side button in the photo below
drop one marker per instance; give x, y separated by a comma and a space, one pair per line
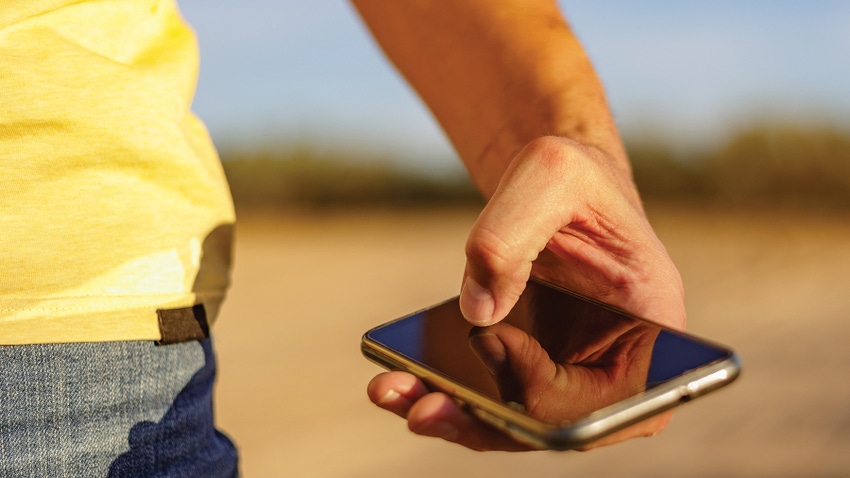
704, 385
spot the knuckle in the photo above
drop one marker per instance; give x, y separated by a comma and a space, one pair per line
489, 252
558, 160
549, 152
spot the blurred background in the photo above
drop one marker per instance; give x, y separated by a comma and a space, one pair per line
353, 210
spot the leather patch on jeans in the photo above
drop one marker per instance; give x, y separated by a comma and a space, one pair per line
183, 325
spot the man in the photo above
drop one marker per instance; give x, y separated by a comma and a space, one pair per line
116, 218
518, 98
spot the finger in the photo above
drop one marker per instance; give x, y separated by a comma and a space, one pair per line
438, 415
529, 207
396, 391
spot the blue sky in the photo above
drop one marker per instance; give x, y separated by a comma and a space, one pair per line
292, 69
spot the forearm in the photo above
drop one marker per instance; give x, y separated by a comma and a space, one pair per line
496, 75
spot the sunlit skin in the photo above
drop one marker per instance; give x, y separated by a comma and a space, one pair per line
518, 98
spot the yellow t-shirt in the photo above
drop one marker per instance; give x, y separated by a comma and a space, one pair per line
113, 203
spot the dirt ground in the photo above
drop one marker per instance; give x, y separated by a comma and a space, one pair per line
775, 286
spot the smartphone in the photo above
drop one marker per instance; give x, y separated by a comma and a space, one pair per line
560, 372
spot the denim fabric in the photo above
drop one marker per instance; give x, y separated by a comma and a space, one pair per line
110, 409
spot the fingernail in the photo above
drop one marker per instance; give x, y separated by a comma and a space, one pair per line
477, 303
394, 401
490, 350
389, 397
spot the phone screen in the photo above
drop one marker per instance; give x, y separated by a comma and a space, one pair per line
557, 357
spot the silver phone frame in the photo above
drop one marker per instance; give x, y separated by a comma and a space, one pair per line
568, 435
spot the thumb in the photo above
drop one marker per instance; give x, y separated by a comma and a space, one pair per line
519, 220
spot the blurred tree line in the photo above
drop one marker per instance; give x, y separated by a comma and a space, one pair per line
763, 165
306, 175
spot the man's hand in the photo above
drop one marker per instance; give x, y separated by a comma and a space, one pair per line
562, 210
515, 93
561, 215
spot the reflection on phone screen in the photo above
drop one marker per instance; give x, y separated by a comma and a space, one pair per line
556, 356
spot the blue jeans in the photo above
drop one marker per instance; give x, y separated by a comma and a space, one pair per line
110, 409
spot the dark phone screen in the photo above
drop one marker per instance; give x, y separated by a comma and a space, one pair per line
557, 355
